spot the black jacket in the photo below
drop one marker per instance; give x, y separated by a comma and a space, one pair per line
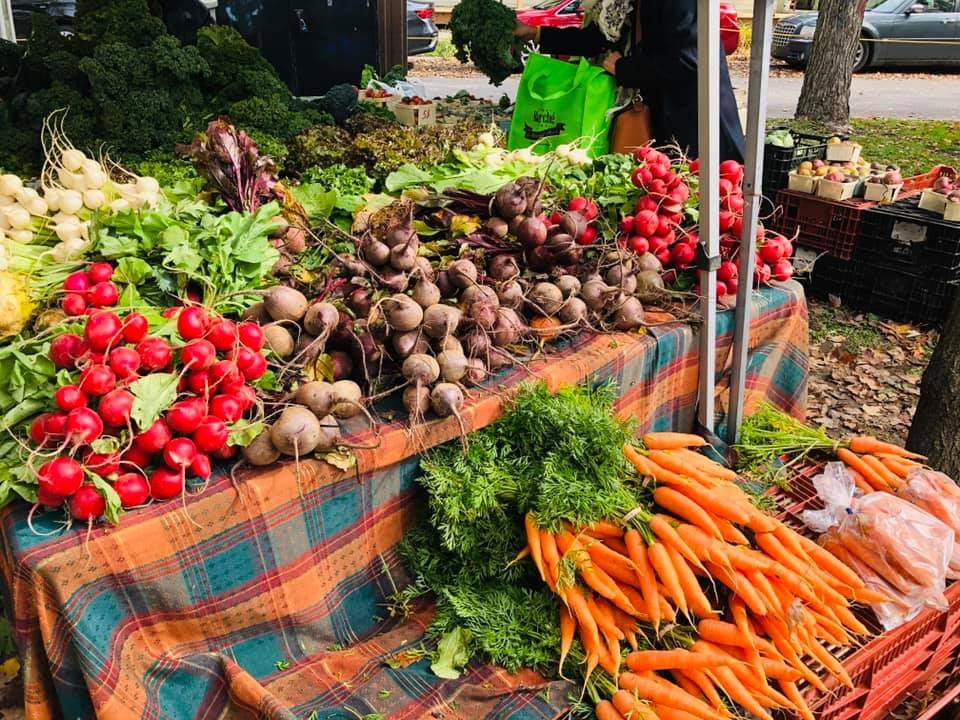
664, 69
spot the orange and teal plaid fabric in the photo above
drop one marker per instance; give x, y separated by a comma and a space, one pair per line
263, 596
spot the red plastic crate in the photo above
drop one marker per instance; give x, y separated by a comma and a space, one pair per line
892, 665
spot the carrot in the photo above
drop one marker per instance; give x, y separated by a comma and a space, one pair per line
687, 685
681, 506
717, 503
877, 482
603, 529
533, 542
723, 633
706, 686
789, 653
592, 576
893, 480
705, 464
551, 559
642, 465
829, 563
626, 623
740, 585
734, 689
568, 625
868, 444
869, 597
665, 693
791, 691
589, 632
660, 561
646, 580
606, 711
858, 480
617, 566
739, 614
669, 461
672, 441
604, 620
692, 592
828, 661
665, 712
632, 707
897, 466
730, 533
649, 660
666, 532
615, 544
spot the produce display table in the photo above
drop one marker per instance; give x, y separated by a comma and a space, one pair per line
264, 596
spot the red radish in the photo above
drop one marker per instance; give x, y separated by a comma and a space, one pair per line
646, 223
646, 203
732, 285
56, 425
670, 238
198, 354
782, 270
663, 255
251, 335
223, 369
247, 396
60, 477
211, 435
166, 483
65, 349
104, 294
727, 271
102, 465
731, 171
721, 288
38, 429
657, 244
125, 362
227, 452
734, 203
200, 467
626, 225
47, 500
639, 244
155, 354
154, 438
228, 408
726, 187
657, 188
727, 219
192, 323
102, 330
682, 255
223, 335
244, 357
69, 397
100, 272
77, 282
762, 274
135, 457
83, 426
185, 416
771, 252
256, 369
588, 236
171, 312
135, 327
115, 408
179, 453
86, 504
74, 305
132, 489
641, 177
737, 228
577, 204
591, 211
657, 170
199, 383
97, 380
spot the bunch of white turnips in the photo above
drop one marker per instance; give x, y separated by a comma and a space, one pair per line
497, 157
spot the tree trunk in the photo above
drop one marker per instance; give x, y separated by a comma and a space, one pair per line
935, 431
825, 96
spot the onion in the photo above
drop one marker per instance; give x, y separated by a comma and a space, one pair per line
9, 184
72, 159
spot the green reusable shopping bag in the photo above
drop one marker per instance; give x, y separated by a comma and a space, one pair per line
559, 102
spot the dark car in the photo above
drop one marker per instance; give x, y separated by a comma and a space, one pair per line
422, 31
895, 32
174, 14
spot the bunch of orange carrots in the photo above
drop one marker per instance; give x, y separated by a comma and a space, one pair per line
876, 465
787, 596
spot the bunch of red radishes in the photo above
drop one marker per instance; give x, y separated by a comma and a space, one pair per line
89, 290
212, 359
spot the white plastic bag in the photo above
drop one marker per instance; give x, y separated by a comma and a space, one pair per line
897, 548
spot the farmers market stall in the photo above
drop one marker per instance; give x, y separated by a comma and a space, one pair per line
265, 594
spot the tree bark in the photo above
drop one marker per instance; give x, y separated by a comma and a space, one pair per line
935, 431
825, 96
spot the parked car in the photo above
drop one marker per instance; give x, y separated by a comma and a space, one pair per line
569, 13
422, 31
895, 32
63, 11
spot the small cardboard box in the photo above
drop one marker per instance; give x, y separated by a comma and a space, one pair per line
802, 183
415, 115
933, 201
843, 152
878, 192
389, 101
836, 190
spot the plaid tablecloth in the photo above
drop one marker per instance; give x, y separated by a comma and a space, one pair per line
263, 597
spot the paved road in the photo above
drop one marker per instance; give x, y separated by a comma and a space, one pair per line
922, 97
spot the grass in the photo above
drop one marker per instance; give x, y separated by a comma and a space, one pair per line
914, 145
444, 47
829, 322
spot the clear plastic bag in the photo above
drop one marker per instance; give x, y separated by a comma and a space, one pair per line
402, 88
938, 495
899, 549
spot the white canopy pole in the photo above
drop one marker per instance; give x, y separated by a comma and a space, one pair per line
7, 31
708, 103
752, 195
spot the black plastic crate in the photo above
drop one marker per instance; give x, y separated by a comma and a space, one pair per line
912, 239
830, 276
778, 161
820, 224
889, 290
